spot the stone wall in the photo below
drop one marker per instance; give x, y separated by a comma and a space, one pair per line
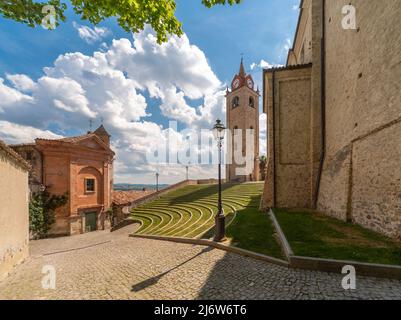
14, 216
289, 123
301, 52
309, 37
361, 179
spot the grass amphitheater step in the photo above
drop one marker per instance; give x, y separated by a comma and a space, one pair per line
190, 211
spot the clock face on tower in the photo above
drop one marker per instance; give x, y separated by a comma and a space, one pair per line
236, 83
249, 82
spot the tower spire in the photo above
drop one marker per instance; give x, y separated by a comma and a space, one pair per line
241, 68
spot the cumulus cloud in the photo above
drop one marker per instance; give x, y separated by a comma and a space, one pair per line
112, 84
263, 64
15, 133
21, 82
10, 97
91, 35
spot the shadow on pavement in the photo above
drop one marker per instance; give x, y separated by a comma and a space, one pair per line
152, 281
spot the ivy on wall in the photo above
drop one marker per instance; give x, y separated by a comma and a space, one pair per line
42, 210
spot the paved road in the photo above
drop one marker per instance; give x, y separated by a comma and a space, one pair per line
102, 265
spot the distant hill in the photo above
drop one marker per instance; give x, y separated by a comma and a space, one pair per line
128, 186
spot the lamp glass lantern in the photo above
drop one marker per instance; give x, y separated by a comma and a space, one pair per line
218, 130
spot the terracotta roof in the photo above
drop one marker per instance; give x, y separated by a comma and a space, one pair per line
15, 156
22, 145
293, 67
76, 138
125, 197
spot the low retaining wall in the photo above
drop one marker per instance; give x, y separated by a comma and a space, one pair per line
331, 265
336, 266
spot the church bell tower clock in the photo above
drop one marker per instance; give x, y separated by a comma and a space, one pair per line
242, 103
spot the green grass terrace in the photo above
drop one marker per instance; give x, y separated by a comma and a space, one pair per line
314, 234
189, 212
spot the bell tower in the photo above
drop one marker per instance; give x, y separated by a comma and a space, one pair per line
242, 103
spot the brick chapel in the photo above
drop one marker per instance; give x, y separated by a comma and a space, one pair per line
82, 166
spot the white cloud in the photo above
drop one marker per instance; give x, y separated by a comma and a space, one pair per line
91, 35
112, 84
10, 97
21, 82
263, 64
15, 133
175, 68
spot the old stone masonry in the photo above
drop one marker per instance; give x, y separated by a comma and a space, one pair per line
103, 265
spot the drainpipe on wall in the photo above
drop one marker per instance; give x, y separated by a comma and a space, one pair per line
322, 102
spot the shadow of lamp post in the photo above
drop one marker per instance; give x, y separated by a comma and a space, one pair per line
218, 133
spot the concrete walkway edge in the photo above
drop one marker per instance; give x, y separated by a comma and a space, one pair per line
221, 246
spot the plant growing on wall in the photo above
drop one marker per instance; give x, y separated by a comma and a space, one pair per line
42, 208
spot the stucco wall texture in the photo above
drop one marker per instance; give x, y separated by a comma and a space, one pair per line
14, 217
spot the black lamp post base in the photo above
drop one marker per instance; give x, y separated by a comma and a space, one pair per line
220, 228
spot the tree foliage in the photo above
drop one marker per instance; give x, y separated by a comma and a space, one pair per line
132, 15
42, 207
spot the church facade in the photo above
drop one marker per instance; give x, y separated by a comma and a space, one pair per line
242, 105
333, 115
80, 166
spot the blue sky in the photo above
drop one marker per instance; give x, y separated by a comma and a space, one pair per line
262, 30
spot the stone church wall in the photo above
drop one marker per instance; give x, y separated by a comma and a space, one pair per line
290, 186
361, 179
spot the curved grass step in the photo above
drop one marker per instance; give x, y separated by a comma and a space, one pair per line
178, 218
200, 230
144, 221
154, 221
167, 217
196, 215
203, 222
189, 217
194, 222
190, 211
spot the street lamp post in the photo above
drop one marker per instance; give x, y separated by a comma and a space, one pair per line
218, 132
157, 182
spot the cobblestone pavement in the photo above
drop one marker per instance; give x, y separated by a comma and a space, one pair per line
102, 265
